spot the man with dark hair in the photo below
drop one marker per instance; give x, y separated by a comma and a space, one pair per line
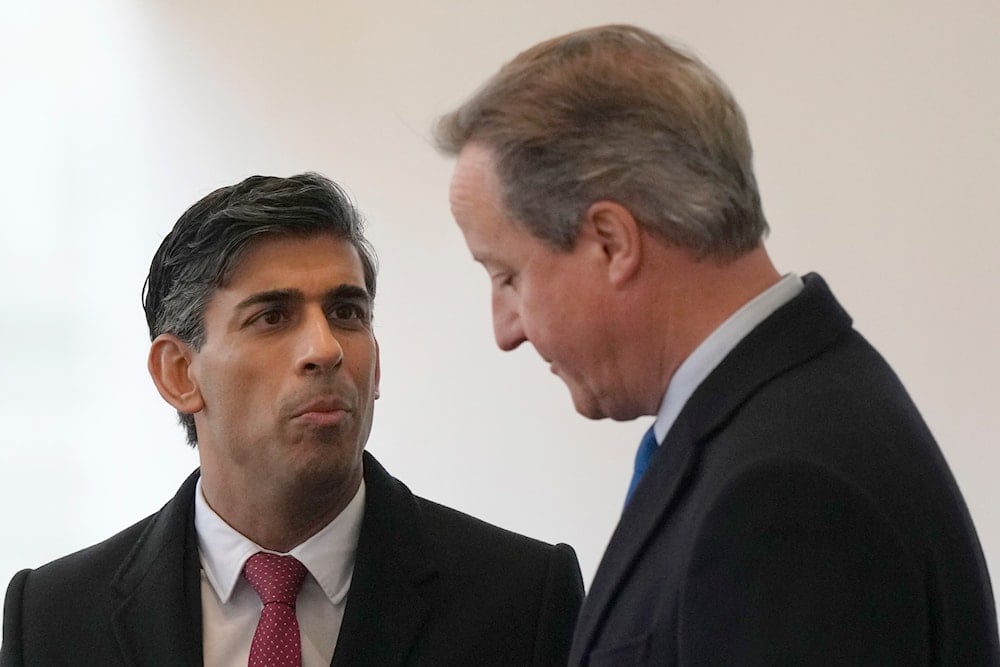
789, 505
290, 545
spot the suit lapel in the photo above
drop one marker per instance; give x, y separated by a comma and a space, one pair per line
652, 499
797, 331
158, 618
387, 605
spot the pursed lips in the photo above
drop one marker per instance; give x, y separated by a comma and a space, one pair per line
325, 411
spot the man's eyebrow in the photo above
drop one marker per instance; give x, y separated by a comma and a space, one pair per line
348, 291
488, 256
271, 296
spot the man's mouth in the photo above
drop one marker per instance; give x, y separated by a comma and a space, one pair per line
323, 411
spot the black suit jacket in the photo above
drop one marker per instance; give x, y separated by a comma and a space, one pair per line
431, 586
797, 512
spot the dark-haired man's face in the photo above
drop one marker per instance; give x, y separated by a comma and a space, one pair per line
289, 370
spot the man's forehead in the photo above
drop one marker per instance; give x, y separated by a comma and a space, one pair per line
474, 180
267, 262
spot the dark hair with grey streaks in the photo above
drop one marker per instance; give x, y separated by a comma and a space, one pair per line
200, 253
616, 113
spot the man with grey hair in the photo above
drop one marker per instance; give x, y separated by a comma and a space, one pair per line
789, 505
291, 545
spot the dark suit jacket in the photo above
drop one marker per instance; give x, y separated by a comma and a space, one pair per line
797, 512
431, 586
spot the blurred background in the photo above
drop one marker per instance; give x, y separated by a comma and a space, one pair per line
877, 142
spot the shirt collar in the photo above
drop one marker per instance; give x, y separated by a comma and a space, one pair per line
328, 555
710, 353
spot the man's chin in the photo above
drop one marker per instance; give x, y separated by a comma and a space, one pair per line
325, 474
591, 408
587, 406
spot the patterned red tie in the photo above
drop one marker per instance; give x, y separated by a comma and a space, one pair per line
277, 580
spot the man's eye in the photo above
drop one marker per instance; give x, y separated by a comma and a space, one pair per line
270, 318
498, 279
349, 312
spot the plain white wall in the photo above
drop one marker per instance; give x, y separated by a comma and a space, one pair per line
877, 141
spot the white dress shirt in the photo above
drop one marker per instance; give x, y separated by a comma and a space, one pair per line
231, 608
710, 353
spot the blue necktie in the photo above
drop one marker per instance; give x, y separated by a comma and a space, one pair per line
646, 449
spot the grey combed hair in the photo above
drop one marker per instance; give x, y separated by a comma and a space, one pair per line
616, 113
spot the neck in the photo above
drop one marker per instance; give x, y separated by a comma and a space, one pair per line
690, 299
278, 517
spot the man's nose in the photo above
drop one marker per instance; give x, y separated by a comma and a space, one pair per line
507, 324
319, 348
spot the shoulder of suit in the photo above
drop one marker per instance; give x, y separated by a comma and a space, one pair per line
107, 556
440, 522
97, 562
447, 523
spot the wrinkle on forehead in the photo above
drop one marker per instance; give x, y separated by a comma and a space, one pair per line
475, 180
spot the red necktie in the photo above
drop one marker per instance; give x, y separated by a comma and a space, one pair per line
277, 580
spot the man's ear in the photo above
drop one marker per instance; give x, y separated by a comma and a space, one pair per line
620, 236
378, 368
169, 365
